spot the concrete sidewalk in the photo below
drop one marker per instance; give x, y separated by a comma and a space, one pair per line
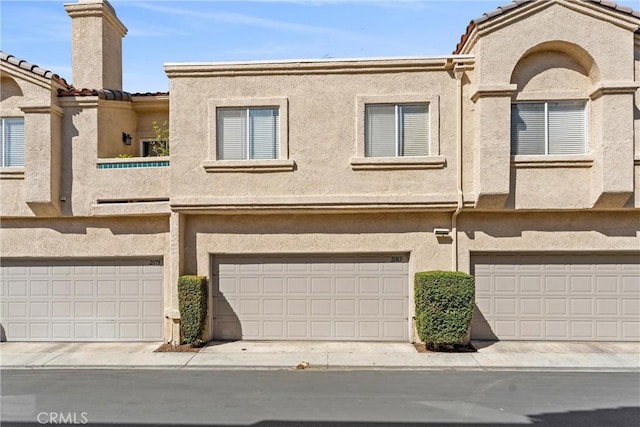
501, 355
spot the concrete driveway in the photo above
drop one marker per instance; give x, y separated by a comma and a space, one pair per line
325, 355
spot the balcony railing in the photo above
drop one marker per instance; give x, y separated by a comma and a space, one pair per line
133, 162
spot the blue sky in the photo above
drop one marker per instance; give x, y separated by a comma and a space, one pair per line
231, 30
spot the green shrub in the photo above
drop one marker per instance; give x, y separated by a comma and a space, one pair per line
444, 306
192, 300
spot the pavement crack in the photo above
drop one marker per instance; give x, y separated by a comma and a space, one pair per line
51, 360
188, 361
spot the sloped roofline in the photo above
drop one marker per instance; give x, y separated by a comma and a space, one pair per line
32, 68
500, 10
68, 89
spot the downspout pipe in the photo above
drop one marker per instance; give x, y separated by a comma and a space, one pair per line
458, 72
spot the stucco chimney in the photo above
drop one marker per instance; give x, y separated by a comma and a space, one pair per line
96, 45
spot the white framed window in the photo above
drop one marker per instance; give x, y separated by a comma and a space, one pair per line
12, 142
251, 133
549, 128
397, 130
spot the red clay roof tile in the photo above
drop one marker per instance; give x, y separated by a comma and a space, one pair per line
514, 4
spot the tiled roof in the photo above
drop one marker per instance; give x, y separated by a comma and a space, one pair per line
108, 94
150, 94
514, 4
21, 63
69, 90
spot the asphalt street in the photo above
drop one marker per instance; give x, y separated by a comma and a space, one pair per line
318, 398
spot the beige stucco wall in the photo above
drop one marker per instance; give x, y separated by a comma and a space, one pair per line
543, 58
19, 88
549, 188
27, 95
586, 232
322, 134
536, 57
144, 123
96, 39
93, 133
63, 147
499, 51
114, 119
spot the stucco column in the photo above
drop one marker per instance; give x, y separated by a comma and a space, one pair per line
96, 44
612, 174
43, 152
176, 267
492, 145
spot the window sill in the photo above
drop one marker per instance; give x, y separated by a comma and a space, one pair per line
545, 161
388, 163
16, 172
250, 166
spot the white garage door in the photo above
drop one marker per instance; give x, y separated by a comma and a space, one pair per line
582, 297
82, 300
355, 298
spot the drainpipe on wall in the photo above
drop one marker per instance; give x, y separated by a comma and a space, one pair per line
458, 71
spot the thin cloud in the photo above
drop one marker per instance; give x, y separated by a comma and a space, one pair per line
156, 32
251, 21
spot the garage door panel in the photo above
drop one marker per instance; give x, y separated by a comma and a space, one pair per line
631, 284
571, 297
531, 329
82, 300
310, 297
631, 330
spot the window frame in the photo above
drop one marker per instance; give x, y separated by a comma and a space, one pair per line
3, 155
434, 160
248, 148
214, 164
546, 102
398, 131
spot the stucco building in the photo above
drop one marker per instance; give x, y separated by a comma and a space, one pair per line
310, 192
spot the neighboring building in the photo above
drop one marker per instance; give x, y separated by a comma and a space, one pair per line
308, 191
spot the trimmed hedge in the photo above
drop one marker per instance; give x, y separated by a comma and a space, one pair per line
192, 300
444, 306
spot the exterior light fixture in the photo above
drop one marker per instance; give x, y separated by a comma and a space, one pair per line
441, 231
126, 138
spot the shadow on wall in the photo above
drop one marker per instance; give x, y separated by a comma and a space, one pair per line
320, 223
480, 328
9, 88
122, 226
70, 134
618, 224
226, 324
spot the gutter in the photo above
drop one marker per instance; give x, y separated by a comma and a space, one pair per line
458, 72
